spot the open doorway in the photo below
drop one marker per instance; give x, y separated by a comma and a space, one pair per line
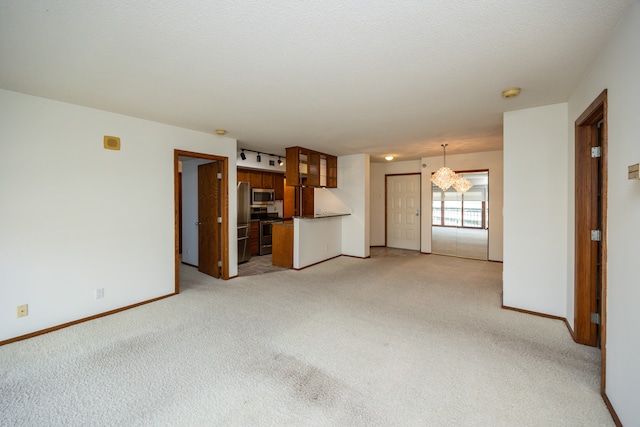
213, 198
460, 221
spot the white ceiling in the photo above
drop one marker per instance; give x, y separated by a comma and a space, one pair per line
363, 76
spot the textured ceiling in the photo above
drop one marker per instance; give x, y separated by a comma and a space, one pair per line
364, 76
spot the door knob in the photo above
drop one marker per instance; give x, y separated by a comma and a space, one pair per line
198, 223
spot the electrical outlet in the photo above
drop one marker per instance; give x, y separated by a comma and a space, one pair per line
23, 310
100, 293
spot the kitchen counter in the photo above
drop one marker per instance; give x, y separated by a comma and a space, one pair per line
324, 215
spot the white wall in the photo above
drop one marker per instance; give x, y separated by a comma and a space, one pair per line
352, 196
76, 217
487, 160
251, 163
616, 69
320, 240
354, 189
535, 208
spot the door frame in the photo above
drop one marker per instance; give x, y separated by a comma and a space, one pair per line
223, 200
586, 130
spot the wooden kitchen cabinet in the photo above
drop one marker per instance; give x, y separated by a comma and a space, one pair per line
278, 186
254, 239
311, 168
255, 179
282, 255
332, 171
263, 179
243, 175
267, 180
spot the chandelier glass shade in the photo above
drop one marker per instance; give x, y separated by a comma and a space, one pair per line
444, 177
462, 184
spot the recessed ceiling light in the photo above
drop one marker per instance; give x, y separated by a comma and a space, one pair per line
512, 92
221, 131
389, 158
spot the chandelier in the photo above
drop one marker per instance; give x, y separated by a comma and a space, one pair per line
462, 184
444, 177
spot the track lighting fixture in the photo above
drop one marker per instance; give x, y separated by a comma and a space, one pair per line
259, 154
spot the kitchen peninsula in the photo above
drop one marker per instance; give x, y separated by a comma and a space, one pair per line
307, 240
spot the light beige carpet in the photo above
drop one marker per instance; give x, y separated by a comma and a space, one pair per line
392, 341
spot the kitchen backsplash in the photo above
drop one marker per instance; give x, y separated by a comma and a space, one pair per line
278, 207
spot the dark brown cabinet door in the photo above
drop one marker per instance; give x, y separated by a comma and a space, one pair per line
332, 172
293, 166
244, 175
278, 185
254, 239
267, 180
308, 201
255, 179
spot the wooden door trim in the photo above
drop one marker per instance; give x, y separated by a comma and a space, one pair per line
585, 130
224, 200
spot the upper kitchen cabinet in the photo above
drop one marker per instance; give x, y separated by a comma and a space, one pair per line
309, 168
278, 186
267, 180
255, 179
244, 175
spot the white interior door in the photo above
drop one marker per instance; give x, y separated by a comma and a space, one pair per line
403, 211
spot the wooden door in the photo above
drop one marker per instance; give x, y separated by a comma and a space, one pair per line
208, 214
590, 215
403, 211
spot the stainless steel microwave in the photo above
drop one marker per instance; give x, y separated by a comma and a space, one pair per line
262, 196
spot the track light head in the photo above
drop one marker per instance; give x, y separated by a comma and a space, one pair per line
279, 161
243, 156
258, 158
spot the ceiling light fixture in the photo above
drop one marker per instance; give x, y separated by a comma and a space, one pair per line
388, 158
221, 131
512, 92
244, 151
462, 184
444, 177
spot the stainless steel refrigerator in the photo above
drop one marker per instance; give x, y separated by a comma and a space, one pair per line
244, 218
